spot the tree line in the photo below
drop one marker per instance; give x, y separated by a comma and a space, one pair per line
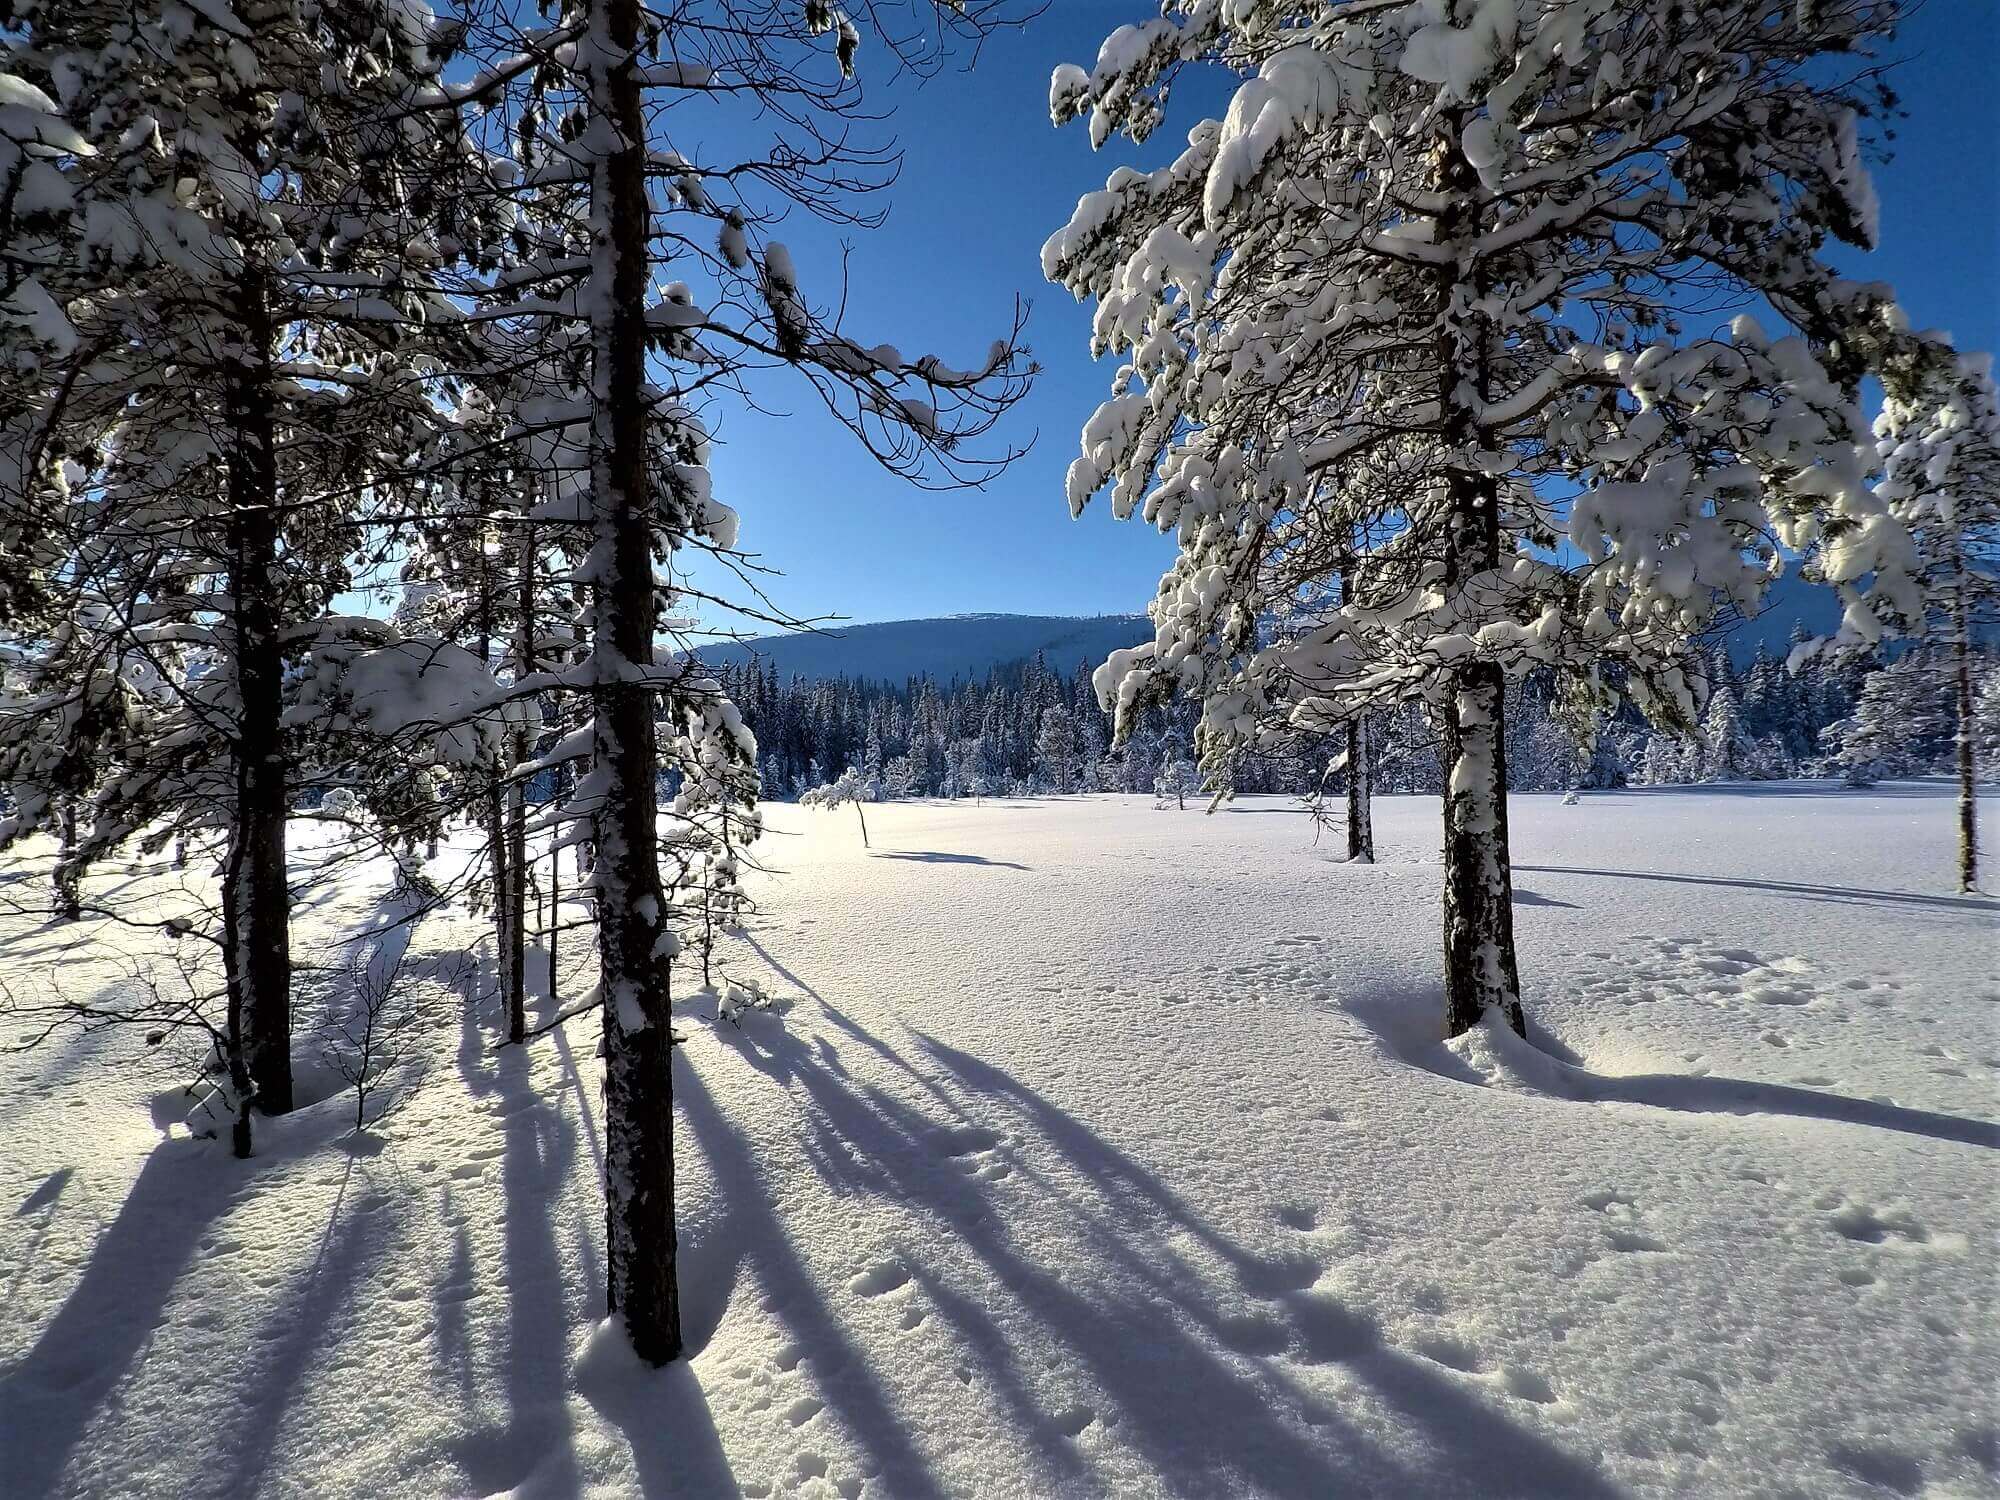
1025, 730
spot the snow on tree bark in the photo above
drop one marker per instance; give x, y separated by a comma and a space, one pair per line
521, 747
1360, 799
640, 1271
1968, 786
1481, 972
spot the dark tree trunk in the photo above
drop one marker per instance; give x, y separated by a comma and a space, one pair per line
1480, 969
1360, 806
1360, 813
258, 955
67, 879
1968, 798
565, 785
640, 1279
516, 971
506, 935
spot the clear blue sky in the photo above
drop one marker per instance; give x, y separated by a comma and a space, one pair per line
986, 179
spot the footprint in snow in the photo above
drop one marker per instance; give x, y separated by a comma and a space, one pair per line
1866, 1225
1526, 1384
965, 1140
1452, 1355
882, 1277
1072, 1420
1274, 1275
1253, 1333
1626, 1231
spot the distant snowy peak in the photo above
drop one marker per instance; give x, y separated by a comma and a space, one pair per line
965, 646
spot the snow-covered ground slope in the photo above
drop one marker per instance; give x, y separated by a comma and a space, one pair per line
1102, 1151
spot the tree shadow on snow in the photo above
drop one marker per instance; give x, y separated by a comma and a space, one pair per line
933, 857
530, 1445
1530, 898
1832, 893
316, 1311
1408, 1024
538, 1145
49, 1397
1198, 1387
1790, 789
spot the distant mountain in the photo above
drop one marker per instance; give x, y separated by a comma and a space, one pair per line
962, 646
1793, 601
1788, 602
970, 646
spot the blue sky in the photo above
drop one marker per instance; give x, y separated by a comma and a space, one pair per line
986, 179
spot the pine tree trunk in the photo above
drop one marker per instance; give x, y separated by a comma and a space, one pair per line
506, 938
1968, 801
1360, 814
1480, 969
68, 903
1480, 972
640, 1280
1360, 808
565, 783
517, 803
258, 960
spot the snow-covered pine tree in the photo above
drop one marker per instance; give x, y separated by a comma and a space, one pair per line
220, 231
846, 789
606, 105
1725, 747
1939, 441
1058, 749
1904, 721
1443, 238
1176, 778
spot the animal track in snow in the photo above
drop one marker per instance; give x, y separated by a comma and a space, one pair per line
882, 1277
1252, 1333
1527, 1385
1452, 1355
1072, 1420
1625, 1231
1693, 970
1873, 1226
1274, 1275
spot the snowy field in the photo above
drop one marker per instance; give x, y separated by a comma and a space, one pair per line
1101, 1151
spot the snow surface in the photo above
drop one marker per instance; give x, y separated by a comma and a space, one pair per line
1099, 1150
